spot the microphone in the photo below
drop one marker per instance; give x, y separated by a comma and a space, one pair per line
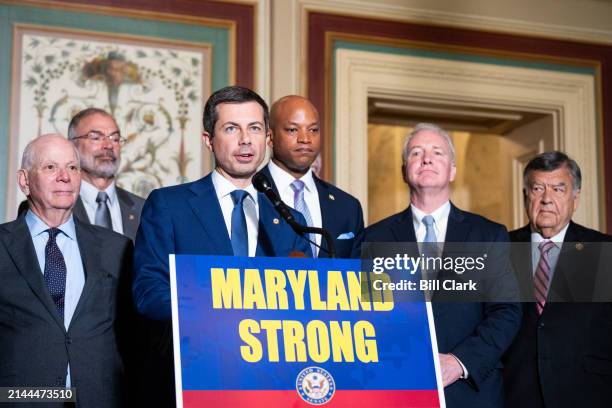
263, 185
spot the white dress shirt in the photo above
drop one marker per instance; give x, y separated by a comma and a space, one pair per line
283, 181
88, 196
440, 217
553, 254
69, 247
223, 189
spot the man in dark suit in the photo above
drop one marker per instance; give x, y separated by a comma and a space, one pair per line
296, 142
65, 286
471, 336
220, 214
96, 135
562, 355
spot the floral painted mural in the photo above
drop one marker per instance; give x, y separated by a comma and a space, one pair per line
154, 91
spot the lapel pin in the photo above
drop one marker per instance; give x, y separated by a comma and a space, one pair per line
331, 197
131, 217
579, 246
275, 221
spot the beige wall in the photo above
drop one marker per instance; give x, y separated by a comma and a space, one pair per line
285, 25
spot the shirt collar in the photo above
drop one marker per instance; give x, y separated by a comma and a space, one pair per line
283, 180
89, 193
224, 187
439, 215
536, 238
37, 226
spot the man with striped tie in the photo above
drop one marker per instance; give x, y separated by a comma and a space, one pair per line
562, 356
296, 143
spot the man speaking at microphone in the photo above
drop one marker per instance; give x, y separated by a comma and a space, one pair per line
296, 143
219, 214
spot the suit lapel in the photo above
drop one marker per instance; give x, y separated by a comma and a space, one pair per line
269, 228
90, 248
328, 211
456, 230
79, 211
521, 261
21, 249
403, 228
129, 218
207, 209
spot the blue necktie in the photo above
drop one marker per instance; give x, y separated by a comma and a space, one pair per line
430, 245
103, 216
300, 205
55, 271
240, 236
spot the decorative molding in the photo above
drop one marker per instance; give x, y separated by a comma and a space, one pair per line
460, 20
571, 96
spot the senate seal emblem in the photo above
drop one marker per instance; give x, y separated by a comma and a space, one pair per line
315, 385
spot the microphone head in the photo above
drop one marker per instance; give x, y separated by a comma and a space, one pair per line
261, 182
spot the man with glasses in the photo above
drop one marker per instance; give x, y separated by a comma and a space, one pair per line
96, 136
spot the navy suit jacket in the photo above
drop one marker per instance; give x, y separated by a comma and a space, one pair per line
187, 219
563, 358
342, 216
477, 333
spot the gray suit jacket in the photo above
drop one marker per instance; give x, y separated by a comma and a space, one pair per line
35, 348
130, 204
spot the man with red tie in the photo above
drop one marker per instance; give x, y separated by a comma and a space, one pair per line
562, 355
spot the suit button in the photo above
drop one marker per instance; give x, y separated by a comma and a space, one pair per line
540, 325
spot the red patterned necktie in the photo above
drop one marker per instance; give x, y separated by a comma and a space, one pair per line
541, 280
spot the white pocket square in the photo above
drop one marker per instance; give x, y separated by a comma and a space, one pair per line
346, 235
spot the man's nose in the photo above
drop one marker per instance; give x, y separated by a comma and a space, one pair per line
304, 136
244, 138
63, 175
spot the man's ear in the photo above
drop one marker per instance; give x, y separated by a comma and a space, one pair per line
453, 172
270, 138
576, 200
207, 139
23, 181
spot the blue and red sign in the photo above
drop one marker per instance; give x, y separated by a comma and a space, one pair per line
293, 332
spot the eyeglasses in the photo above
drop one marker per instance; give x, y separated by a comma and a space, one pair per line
98, 137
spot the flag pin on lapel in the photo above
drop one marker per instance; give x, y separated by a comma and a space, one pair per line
579, 246
331, 197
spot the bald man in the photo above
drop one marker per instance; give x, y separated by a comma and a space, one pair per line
60, 297
296, 143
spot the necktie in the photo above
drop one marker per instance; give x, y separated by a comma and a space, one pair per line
541, 280
240, 236
300, 205
55, 271
430, 247
103, 217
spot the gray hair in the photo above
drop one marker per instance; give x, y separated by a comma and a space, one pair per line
433, 128
551, 161
85, 113
29, 157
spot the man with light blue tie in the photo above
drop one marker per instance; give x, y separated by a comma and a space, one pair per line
219, 214
296, 143
471, 336
64, 299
